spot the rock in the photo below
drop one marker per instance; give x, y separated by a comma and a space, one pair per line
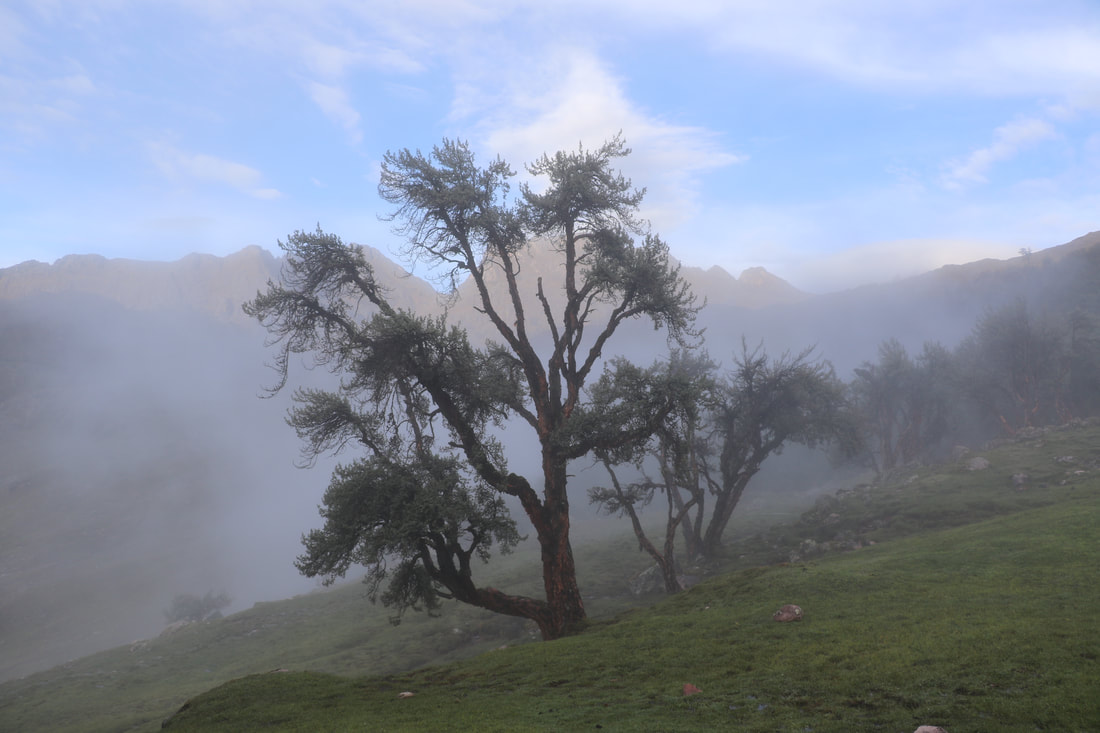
174, 627
959, 452
977, 463
648, 581
690, 689
403, 695
1019, 480
789, 612
930, 729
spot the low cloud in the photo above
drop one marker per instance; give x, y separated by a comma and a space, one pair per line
880, 262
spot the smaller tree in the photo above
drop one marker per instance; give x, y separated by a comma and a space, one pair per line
904, 406
715, 441
1016, 367
687, 378
759, 407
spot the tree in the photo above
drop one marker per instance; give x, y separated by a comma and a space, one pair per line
904, 406
420, 398
759, 407
687, 377
1016, 368
717, 438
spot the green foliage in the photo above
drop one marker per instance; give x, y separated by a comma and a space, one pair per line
421, 516
714, 437
192, 608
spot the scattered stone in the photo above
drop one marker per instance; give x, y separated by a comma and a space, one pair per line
174, 627
959, 452
977, 463
1065, 459
930, 729
789, 612
403, 695
690, 689
1019, 480
648, 581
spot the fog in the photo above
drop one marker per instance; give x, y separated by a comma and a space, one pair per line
140, 462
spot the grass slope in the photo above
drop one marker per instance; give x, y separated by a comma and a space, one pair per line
979, 627
987, 627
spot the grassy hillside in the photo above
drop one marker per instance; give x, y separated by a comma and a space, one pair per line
972, 610
986, 627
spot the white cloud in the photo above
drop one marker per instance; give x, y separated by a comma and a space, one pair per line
336, 105
1008, 140
178, 164
583, 103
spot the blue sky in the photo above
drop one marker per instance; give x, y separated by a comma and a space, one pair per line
832, 142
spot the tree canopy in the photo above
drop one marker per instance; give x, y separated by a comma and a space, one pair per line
722, 428
420, 399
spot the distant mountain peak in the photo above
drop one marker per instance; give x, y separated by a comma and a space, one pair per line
754, 288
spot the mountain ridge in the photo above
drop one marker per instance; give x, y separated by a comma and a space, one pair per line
219, 285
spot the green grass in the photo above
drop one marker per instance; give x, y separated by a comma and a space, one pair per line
974, 610
988, 627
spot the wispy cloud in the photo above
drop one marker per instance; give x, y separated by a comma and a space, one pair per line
337, 106
178, 164
1008, 140
986, 48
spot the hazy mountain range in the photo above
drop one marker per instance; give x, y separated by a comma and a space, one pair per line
217, 286
138, 461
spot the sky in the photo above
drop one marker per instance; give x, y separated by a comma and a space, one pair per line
832, 142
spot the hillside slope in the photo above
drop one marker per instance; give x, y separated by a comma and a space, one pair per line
970, 629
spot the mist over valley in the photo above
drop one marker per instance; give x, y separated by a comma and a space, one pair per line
140, 461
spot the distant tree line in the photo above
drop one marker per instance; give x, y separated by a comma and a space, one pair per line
1031, 362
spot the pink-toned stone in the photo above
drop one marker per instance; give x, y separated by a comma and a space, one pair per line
690, 689
930, 729
789, 612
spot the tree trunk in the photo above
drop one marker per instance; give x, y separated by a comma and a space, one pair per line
563, 597
723, 509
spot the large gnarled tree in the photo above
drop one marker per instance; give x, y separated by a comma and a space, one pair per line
428, 496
